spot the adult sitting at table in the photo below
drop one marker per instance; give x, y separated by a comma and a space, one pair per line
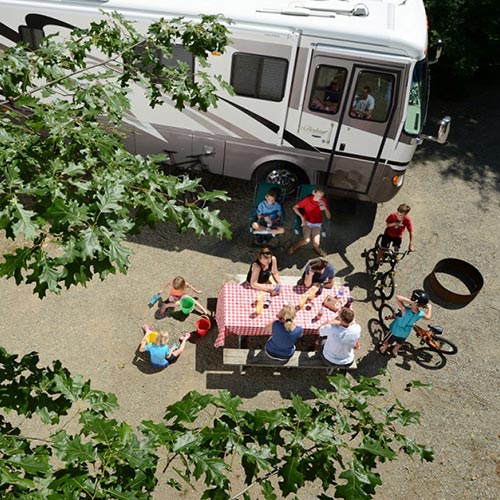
263, 274
318, 272
338, 339
281, 345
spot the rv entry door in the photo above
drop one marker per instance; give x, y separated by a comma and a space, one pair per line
348, 109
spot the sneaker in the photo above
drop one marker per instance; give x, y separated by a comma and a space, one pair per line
185, 336
146, 328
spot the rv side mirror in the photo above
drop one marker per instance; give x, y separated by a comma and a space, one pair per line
442, 133
439, 51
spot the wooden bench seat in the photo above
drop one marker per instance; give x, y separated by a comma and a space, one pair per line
258, 357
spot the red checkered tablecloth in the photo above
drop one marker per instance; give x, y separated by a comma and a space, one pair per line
236, 309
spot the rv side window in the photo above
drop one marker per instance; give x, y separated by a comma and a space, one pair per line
31, 36
326, 94
147, 61
373, 96
258, 76
418, 99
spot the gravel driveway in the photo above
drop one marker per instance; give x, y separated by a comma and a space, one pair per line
454, 194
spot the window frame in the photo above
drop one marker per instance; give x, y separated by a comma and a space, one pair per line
262, 57
358, 87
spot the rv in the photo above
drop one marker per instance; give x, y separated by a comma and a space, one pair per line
325, 91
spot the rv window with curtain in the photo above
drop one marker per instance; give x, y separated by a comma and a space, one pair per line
257, 76
373, 96
31, 36
328, 88
179, 56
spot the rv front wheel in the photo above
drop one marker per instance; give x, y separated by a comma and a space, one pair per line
282, 173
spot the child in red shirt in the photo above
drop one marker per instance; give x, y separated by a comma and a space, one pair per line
396, 223
310, 210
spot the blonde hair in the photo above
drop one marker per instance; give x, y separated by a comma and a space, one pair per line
287, 315
179, 283
161, 338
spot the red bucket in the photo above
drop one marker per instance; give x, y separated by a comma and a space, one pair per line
203, 325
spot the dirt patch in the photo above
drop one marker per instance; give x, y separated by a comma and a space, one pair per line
454, 194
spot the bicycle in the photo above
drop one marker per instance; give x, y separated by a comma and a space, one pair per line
191, 190
432, 336
385, 284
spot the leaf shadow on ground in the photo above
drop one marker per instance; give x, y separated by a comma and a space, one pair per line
351, 221
473, 150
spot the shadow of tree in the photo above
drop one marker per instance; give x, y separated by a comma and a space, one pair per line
473, 147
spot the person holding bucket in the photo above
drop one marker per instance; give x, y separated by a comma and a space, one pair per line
177, 297
160, 354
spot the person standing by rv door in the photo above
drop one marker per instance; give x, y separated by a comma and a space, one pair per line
310, 210
363, 104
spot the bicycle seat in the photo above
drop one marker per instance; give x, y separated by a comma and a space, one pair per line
438, 330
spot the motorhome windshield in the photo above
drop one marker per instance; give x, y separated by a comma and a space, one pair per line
417, 102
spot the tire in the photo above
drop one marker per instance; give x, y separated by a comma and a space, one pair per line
377, 299
193, 197
386, 314
445, 346
429, 358
388, 285
282, 173
371, 259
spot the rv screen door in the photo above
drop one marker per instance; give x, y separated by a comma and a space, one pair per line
348, 110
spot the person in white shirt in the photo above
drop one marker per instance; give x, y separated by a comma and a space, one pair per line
363, 104
338, 339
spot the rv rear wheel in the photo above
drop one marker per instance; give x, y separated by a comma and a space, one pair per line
282, 173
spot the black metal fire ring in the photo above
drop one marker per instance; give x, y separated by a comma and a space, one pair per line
465, 272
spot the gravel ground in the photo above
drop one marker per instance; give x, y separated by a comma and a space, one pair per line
454, 192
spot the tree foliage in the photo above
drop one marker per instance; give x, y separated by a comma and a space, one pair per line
470, 30
69, 191
336, 440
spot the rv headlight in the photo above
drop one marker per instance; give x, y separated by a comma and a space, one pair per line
397, 180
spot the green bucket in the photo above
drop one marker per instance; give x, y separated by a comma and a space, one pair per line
186, 304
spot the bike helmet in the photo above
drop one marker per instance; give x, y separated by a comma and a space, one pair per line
420, 296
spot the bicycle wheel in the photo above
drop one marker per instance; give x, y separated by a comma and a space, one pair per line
377, 299
429, 358
386, 314
377, 331
371, 259
387, 285
192, 198
442, 345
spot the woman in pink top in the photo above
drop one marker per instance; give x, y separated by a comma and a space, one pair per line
310, 210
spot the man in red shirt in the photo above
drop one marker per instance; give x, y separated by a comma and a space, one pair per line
310, 210
396, 224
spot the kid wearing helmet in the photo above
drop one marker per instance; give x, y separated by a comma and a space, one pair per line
411, 311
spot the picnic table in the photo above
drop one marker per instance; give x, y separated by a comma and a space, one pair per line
235, 314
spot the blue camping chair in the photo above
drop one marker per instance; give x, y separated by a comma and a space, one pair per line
261, 189
302, 191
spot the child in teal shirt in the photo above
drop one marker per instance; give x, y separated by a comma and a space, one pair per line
411, 311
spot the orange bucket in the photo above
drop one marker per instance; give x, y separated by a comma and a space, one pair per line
203, 325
